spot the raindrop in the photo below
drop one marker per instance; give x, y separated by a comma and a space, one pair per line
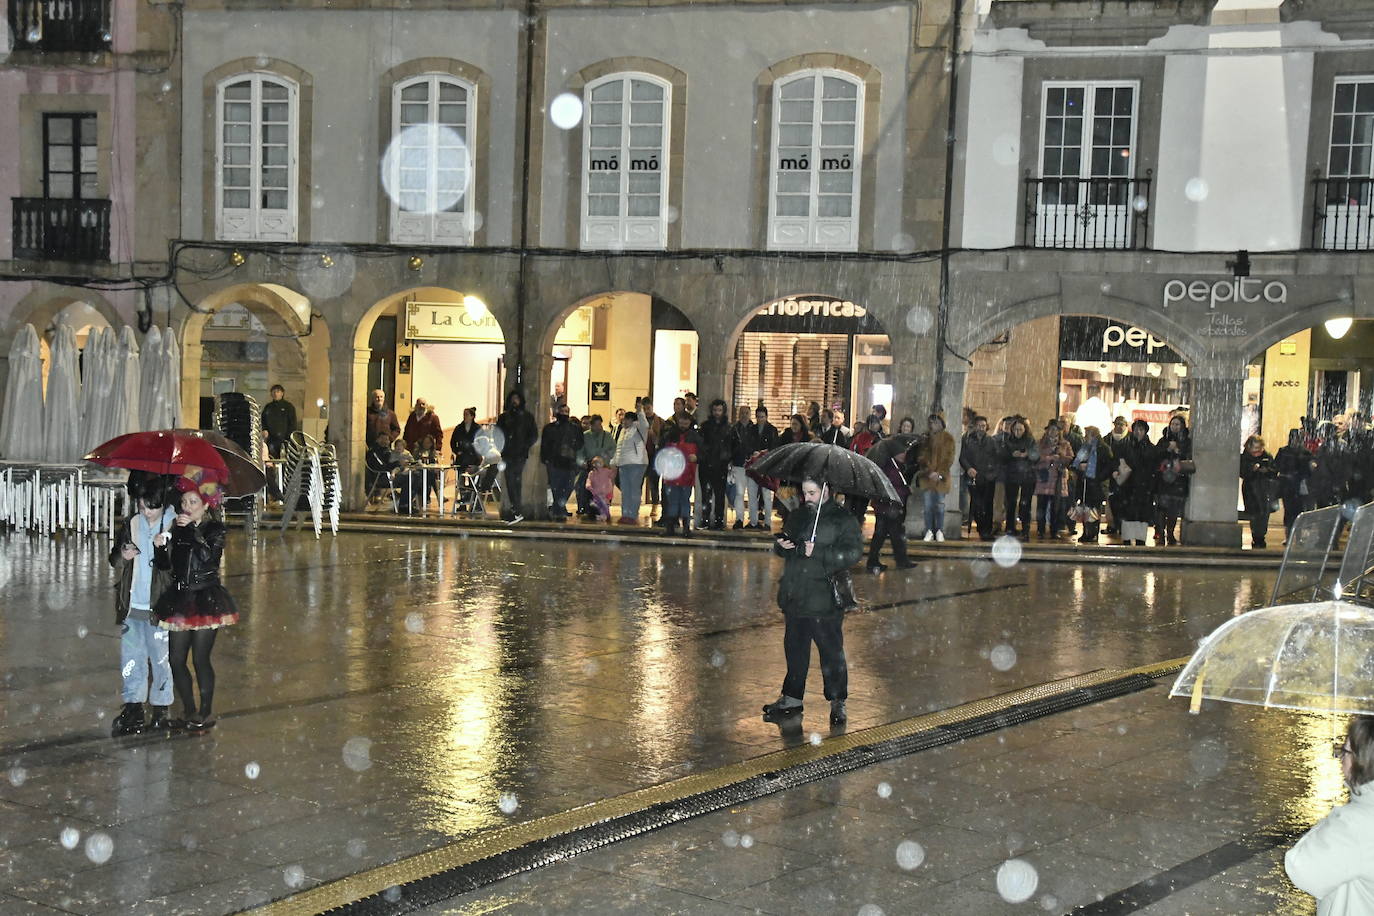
455, 171
980, 569
475, 220
357, 753
1017, 880
919, 319
508, 803
356, 848
884, 790
188, 841
1140, 204
670, 463
1208, 758
910, 855
1003, 657
904, 243
1006, 551
391, 894
590, 667
262, 60
34, 36
730, 838
166, 86
815, 738
69, 837
81, 632
1106, 288
870, 909
746, 841
293, 875
565, 111
717, 659
1049, 903
415, 622
252, 770
99, 848
106, 37
1196, 190
320, 282
670, 213
18, 776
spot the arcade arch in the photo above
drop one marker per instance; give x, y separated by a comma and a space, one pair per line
248, 338
812, 347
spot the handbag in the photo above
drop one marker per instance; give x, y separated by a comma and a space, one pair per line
842, 591
1123, 472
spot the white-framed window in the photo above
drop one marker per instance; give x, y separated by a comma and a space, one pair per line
1087, 191
429, 164
256, 158
813, 193
625, 162
1346, 222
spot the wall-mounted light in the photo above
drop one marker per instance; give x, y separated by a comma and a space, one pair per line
1337, 327
415, 262
326, 261
476, 308
236, 258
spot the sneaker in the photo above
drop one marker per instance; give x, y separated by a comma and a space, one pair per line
739, 525
838, 715
159, 722
781, 707
930, 535
515, 519
940, 537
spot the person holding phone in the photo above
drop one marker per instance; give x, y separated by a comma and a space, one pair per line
143, 654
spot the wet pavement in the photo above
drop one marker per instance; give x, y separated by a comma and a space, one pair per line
388, 694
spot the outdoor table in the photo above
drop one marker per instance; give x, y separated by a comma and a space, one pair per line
442, 471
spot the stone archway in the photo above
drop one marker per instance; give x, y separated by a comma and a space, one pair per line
289, 315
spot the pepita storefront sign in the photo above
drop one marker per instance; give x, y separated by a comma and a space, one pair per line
1235, 289
456, 322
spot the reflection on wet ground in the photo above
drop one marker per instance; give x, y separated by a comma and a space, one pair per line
389, 694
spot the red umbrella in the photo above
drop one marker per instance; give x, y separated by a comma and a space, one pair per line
174, 451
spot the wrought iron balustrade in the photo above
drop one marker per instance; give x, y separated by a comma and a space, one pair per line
48, 229
1342, 214
1086, 213
60, 25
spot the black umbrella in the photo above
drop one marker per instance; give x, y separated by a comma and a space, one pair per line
839, 468
893, 446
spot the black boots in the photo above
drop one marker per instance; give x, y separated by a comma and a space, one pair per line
129, 721
159, 722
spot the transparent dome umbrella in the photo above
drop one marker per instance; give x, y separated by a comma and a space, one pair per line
1317, 656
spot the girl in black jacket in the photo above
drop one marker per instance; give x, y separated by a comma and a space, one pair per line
196, 605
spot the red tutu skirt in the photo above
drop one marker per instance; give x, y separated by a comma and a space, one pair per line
201, 609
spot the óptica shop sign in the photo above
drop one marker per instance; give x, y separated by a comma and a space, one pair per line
1234, 289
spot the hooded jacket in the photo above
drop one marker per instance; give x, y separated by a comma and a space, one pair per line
717, 446
517, 425
1334, 861
935, 455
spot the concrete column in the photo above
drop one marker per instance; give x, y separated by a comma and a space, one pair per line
1218, 395
715, 359
348, 396
913, 378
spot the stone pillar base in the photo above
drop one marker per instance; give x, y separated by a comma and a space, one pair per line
1211, 534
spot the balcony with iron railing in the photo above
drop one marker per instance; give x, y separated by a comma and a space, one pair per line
1342, 214
1087, 213
48, 229
60, 25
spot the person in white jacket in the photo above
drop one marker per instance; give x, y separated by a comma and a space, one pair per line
1334, 861
632, 459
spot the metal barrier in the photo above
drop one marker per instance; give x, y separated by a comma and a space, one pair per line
1305, 557
1356, 577
48, 498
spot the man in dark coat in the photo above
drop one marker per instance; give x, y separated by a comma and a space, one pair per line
980, 457
278, 420
755, 440
815, 548
716, 451
517, 425
381, 420
559, 444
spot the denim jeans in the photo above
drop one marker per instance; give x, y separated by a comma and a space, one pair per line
933, 504
677, 502
631, 488
740, 482
143, 644
760, 503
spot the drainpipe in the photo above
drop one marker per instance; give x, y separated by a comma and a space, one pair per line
951, 126
521, 285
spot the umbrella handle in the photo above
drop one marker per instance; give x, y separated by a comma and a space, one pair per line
1195, 703
815, 523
